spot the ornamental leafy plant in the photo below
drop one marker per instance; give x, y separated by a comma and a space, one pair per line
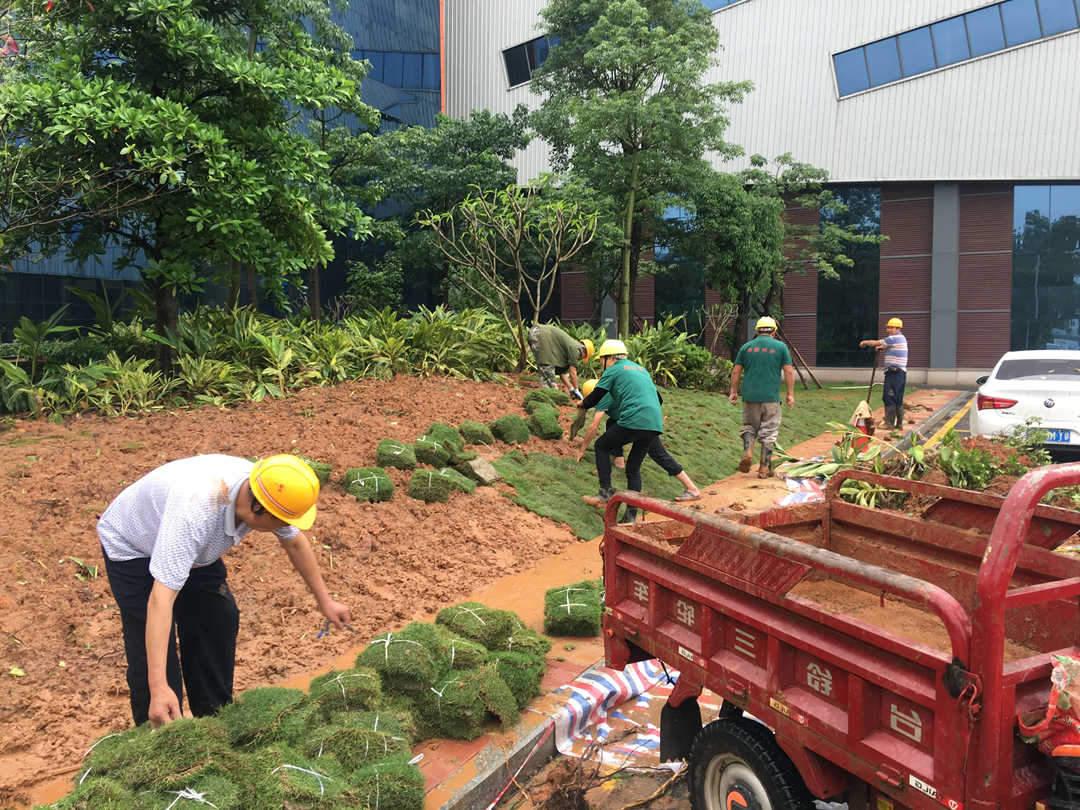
173, 129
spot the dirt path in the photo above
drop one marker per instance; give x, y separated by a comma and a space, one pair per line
389, 561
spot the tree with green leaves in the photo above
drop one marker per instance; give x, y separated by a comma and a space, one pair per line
175, 129
508, 247
627, 106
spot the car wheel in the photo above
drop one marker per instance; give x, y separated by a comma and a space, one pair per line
737, 765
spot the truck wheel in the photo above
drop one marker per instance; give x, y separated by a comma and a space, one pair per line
737, 765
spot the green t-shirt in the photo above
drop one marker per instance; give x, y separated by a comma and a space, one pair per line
762, 359
556, 348
633, 395
607, 405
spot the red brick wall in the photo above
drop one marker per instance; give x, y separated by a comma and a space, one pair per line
800, 295
985, 283
907, 219
575, 299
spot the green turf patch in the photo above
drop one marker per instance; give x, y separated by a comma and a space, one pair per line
574, 610
354, 746
448, 436
459, 704
258, 715
544, 422
408, 661
321, 468
392, 453
511, 429
459, 481
393, 784
430, 450
476, 433
522, 674
550, 396
488, 626
701, 430
99, 794
370, 484
351, 690
430, 486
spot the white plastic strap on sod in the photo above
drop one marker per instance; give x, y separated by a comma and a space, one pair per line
99, 742
472, 612
321, 777
191, 795
391, 640
568, 604
441, 692
363, 482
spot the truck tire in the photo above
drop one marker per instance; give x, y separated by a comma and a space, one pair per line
737, 765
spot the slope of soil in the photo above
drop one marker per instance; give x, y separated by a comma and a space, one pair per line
389, 562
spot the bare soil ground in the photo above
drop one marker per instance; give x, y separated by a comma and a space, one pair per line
389, 562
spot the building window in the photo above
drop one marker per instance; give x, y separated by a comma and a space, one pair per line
409, 71
848, 305
1046, 267
523, 60
956, 39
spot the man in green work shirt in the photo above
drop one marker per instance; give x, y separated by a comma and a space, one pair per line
762, 359
635, 400
557, 354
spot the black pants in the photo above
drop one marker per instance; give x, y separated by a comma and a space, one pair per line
206, 619
613, 439
658, 453
892, 396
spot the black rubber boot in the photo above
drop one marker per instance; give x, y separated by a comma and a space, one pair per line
890, 416
899, 417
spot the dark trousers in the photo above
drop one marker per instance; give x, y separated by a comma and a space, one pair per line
893, 393
613, 439
206, 619
658, 453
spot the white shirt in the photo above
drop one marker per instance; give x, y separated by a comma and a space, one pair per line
181, 515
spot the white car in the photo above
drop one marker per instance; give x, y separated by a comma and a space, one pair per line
1041, 384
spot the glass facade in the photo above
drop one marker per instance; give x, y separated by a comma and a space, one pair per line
848, 305
1046, 267
956, 39
410, 71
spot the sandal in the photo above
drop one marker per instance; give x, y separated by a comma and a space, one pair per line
687, 495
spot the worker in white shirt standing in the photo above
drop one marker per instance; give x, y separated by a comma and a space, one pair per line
163, 538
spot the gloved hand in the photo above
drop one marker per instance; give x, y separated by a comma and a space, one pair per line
578, 424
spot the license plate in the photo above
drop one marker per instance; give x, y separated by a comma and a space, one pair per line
1059, 436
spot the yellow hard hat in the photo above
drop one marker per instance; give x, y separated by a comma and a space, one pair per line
610, 348
896, 322
287, 487
588, 386
589, 349
765, 322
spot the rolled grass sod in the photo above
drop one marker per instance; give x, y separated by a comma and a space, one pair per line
521, 672
430, 450
550, 396
460, 482
321, 468
167, 759
459, 652
459, 704
476, 433
429, 486
573, 610
258, 715
544, 422
350, 690
99, 794
392, 453
408, 661
354, 746
447, 435
511, 429
306, 781
370, 484
480, 623
393, 784
524, 640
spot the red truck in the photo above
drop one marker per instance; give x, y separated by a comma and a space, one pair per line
887, 654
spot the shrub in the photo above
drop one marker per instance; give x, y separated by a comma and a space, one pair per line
322, 469
370, 484
430, 487
392, 453
672, 358
430, 450
511, 429
476, 433
573, 610
544, 423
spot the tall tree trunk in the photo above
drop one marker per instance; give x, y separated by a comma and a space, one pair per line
234, 284
521, 342
315, 293
625, 291
738, 335
166, 316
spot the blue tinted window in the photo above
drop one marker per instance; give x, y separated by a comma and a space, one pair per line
392, 69
412, 67
950, 41
883, 61
1065, 202
431, 71
851, 74
715, 4
1057, 16
1021, 21
538, 52
984, 31
917, 51
517, 65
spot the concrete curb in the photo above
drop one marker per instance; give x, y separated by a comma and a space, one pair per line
936, 420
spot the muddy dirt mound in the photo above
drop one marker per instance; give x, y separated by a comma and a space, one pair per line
389, 562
